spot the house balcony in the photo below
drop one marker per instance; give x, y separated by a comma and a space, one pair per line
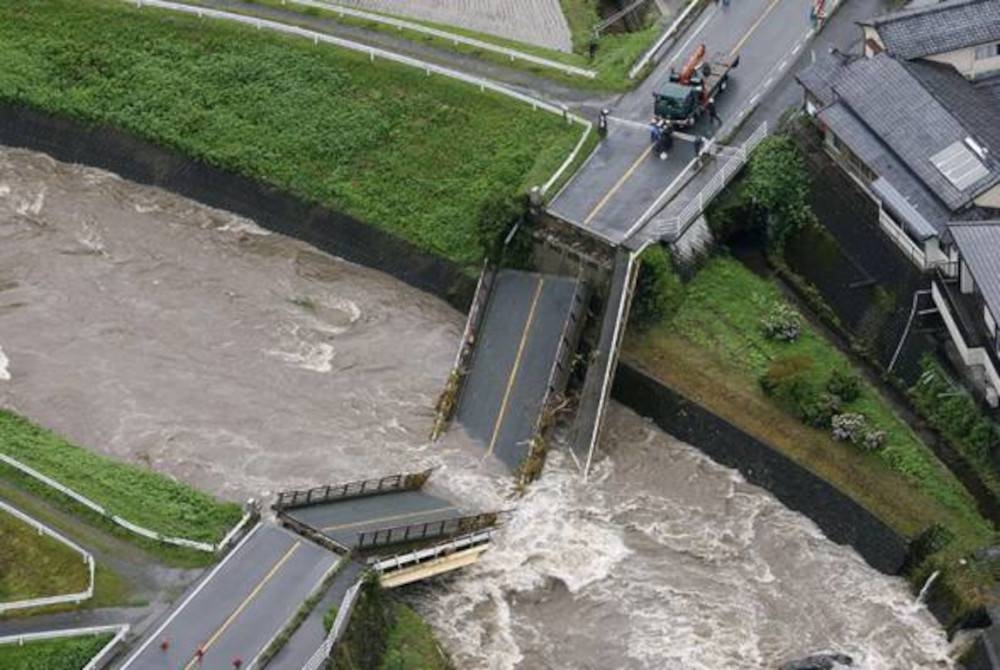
961, 315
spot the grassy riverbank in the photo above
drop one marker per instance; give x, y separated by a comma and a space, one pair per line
61, 654
714, 351
34, 565
141, 496
413, 154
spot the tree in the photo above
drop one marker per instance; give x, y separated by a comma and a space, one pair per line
659, 291
497, 216
778, 182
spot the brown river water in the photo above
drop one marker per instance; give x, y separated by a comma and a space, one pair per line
162, 332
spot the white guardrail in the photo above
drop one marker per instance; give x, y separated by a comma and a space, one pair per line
97, 661
400, 24
375, 52
319, 658
675, 226
88, 560
124, 523
647, 57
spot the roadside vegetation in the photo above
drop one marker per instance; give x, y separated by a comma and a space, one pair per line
730, 340
60, 654
384, 633
141, 496
33, 565
413, 154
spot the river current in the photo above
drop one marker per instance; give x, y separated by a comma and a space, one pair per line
162, 332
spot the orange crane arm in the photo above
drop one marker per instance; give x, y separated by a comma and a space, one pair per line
691, 66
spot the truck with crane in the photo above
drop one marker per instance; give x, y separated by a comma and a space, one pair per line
688, 93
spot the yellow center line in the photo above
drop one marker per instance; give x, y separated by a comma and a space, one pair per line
760, 19
516, 367
396, 517
246, 601
614, 189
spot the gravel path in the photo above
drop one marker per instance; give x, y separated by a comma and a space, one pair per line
539, 22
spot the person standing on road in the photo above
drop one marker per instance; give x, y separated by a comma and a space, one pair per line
655, 130
712, 114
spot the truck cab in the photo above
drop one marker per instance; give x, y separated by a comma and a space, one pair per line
676, 102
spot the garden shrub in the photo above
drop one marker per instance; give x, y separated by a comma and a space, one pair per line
953, 413
849, 427
857, 429
782, 323
788, 380
819, 411
659, 291
845, 385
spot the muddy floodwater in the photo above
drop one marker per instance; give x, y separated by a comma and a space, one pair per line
161, 332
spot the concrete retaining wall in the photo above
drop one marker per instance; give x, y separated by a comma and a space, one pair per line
135, 159
840, 518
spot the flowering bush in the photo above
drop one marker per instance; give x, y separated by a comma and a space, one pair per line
782, 323
855, 428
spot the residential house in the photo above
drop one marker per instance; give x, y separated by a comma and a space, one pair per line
915, 120
968, 300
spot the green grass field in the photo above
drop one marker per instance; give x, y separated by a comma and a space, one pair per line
62, 654
140, 496
714, 350
413, 154
36, 566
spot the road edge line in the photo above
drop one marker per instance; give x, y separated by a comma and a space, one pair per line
191, 596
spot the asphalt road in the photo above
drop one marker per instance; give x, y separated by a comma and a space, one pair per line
343, 520
240, 606
619, 183
503, 395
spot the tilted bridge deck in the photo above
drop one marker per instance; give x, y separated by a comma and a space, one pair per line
521, 359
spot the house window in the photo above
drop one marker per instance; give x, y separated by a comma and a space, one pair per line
988, 51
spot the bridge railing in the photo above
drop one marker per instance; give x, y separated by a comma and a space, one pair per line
447, 402
357, 489
322, 654
674, 227
402, 561
426, 530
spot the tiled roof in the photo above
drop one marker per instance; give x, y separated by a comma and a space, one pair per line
939, 28
902, 119
977, 107
873, 153
979, 245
